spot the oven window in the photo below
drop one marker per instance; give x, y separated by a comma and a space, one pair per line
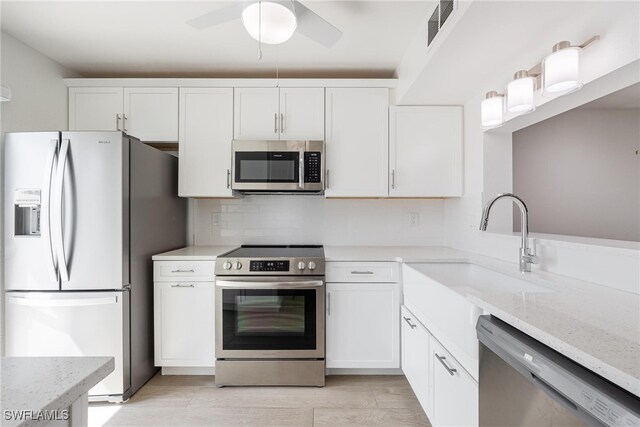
269, 319
281, 166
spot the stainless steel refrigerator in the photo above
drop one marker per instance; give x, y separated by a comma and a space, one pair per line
84, 213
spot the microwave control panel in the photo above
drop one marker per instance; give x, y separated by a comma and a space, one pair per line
312, 166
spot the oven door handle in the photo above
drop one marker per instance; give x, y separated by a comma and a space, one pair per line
270, 285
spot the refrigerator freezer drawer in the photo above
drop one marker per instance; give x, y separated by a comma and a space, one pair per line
72, 324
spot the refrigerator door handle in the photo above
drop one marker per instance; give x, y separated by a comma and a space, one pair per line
59, 240
45, 221
61, 302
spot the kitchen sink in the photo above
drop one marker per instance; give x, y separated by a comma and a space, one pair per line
476, 277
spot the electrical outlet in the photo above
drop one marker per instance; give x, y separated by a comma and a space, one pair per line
414, 219
215, 219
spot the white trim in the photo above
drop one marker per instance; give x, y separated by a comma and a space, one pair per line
352, 371
187, 370
201, 82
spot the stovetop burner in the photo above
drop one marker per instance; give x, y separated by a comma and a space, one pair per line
299, 260
277, 251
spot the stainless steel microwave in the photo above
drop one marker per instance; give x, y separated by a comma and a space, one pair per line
277, 166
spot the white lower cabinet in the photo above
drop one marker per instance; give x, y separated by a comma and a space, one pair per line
362, 325
446, 391
455, 393
184, 324
415, 359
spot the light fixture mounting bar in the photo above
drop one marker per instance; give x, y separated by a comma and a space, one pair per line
589, 42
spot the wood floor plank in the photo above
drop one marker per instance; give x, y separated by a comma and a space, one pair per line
283, 397
331, 417
212, 417
353, 400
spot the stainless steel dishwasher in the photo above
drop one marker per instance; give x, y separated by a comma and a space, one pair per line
525, 383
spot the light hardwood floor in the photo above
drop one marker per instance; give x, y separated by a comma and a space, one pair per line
195, 401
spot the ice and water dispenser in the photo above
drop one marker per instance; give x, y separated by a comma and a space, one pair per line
27, 206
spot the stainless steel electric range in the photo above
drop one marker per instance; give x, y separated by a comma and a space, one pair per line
270, 319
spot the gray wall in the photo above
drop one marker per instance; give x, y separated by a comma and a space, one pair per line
579, 173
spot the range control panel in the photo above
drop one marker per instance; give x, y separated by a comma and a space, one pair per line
269, 266
312, 166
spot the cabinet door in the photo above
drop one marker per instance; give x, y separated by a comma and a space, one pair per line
415, 359
362, 325
425, 151
455, 393
151, 113
357, 142
95, 108
184, 323
206, 131
256, 113
302, 114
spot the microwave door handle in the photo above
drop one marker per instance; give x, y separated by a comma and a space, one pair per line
301, 170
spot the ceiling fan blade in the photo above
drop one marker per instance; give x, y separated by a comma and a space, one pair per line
225, 14
313, 26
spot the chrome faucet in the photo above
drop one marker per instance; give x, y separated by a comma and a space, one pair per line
526, 256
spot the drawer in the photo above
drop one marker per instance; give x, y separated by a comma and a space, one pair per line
371, 272
188, 271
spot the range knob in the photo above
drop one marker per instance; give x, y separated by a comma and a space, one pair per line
226, 265
237, 265
301, 265
312, 265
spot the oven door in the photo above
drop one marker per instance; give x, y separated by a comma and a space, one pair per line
270, 317
283, 166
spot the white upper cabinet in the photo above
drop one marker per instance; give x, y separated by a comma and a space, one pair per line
273, 113
256, 113
151, 114
302, 114
206, 131
357, 142
425, 151
95, 108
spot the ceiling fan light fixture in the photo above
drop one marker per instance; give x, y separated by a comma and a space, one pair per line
274, 24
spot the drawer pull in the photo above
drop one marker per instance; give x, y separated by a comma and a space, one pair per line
406, 319
183, 271
451, 371
362, 272
182, 286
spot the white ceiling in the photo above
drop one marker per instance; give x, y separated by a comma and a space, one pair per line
627, 98
150, 38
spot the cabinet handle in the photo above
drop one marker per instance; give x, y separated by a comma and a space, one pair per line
329, 304
362, 272
117, 121
451, 371
124, 122
393, 179
275, 123
282, 122
183, 271
228, 178
326, 178
406, 319
183, 286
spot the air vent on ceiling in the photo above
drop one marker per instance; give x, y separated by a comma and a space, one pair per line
443, 10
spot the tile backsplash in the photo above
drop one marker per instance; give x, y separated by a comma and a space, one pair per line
316, 220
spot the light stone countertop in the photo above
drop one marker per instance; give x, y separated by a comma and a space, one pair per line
47, 383
596, 326
194, 253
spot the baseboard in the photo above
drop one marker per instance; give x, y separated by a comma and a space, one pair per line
352, 371
188, 370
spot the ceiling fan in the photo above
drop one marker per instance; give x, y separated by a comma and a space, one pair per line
273, 21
